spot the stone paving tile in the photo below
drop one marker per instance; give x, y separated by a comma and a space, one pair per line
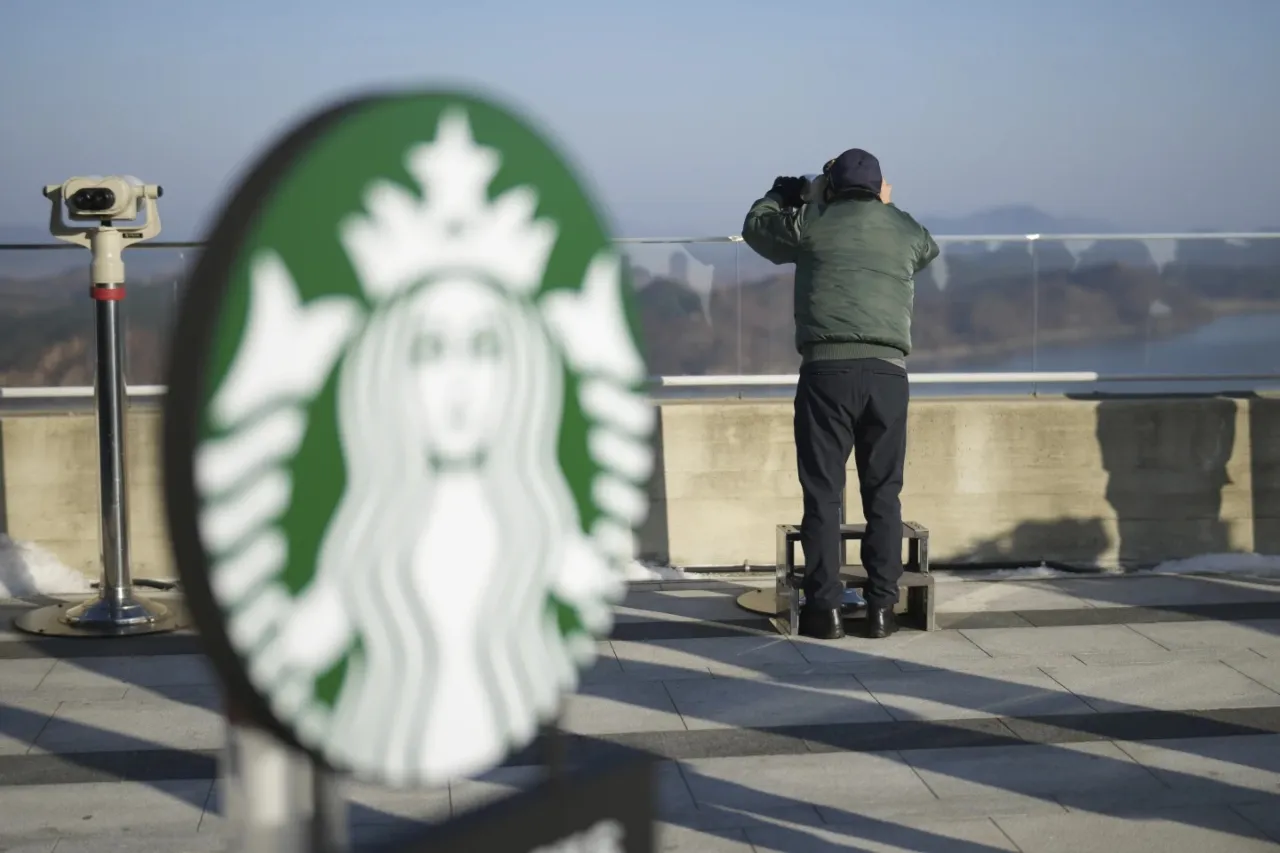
991, 772
126, 724
635, 706
1060, 642
40, 843
606, 666
715, 818
1201, 655
385, 808
937, 695
10, 610
939, 648
23, 676
1206, 829
987, 666
980, 596
112, 672
102, 807
831, 780
21, 721
1262, 634
468, 794
968, 836
672, 838
82, 694
673, 659
1138, 805
1265, 816
145, 841
681, 605
370, 804
912, 812
674, 795
1265, 671
786, 701
1155, 591
382, 834
198, 695
770, 671
1166, 686
1206, 764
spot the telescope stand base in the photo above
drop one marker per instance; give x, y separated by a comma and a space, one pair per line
96, 617
762, 601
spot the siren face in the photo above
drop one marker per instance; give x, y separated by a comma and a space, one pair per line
93, 199
460, 366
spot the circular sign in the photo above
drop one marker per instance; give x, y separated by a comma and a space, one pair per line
406, 440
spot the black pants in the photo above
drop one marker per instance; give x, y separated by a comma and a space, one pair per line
858, 405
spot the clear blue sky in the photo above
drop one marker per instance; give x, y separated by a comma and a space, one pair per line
1154, 114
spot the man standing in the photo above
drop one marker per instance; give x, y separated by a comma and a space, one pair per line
856, 255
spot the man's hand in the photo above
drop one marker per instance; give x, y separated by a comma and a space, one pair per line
791, 190
886, 191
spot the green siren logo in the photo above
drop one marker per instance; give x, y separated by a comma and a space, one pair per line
418, 459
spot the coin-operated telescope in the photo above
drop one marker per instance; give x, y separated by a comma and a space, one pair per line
115, 611
104, 201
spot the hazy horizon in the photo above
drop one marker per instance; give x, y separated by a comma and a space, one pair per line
1148, 115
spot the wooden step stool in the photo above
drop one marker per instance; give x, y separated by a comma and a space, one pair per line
916, 580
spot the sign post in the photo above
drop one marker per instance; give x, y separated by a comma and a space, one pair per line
277, 799
406, 449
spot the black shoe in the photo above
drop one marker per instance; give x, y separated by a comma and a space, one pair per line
880, 622
822, 624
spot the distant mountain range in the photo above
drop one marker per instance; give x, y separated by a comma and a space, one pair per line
1015, 219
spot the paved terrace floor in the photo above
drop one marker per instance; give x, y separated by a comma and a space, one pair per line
1113, 714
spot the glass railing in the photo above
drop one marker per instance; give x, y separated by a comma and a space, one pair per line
1165, 305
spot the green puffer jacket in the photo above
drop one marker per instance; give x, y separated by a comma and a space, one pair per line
855, 264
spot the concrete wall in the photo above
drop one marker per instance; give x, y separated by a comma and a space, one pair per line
49, 489
1097, 481
1086, 481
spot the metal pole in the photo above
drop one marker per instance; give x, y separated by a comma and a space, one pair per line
275, 798
109, 399
116, 610
330, 832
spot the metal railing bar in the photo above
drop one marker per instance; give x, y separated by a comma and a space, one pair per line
733, 238
1062, 377
767, 381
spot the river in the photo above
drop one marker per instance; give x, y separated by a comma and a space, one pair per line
1240, 343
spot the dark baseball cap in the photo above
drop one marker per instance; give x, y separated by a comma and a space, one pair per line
855, 170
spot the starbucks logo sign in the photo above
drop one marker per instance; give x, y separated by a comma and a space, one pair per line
406, 440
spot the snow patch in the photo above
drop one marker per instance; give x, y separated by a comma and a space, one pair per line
1022, 574
28, 570
638, 571
1253, 565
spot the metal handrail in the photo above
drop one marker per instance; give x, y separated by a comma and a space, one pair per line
781, 380
734, 238
786, 380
